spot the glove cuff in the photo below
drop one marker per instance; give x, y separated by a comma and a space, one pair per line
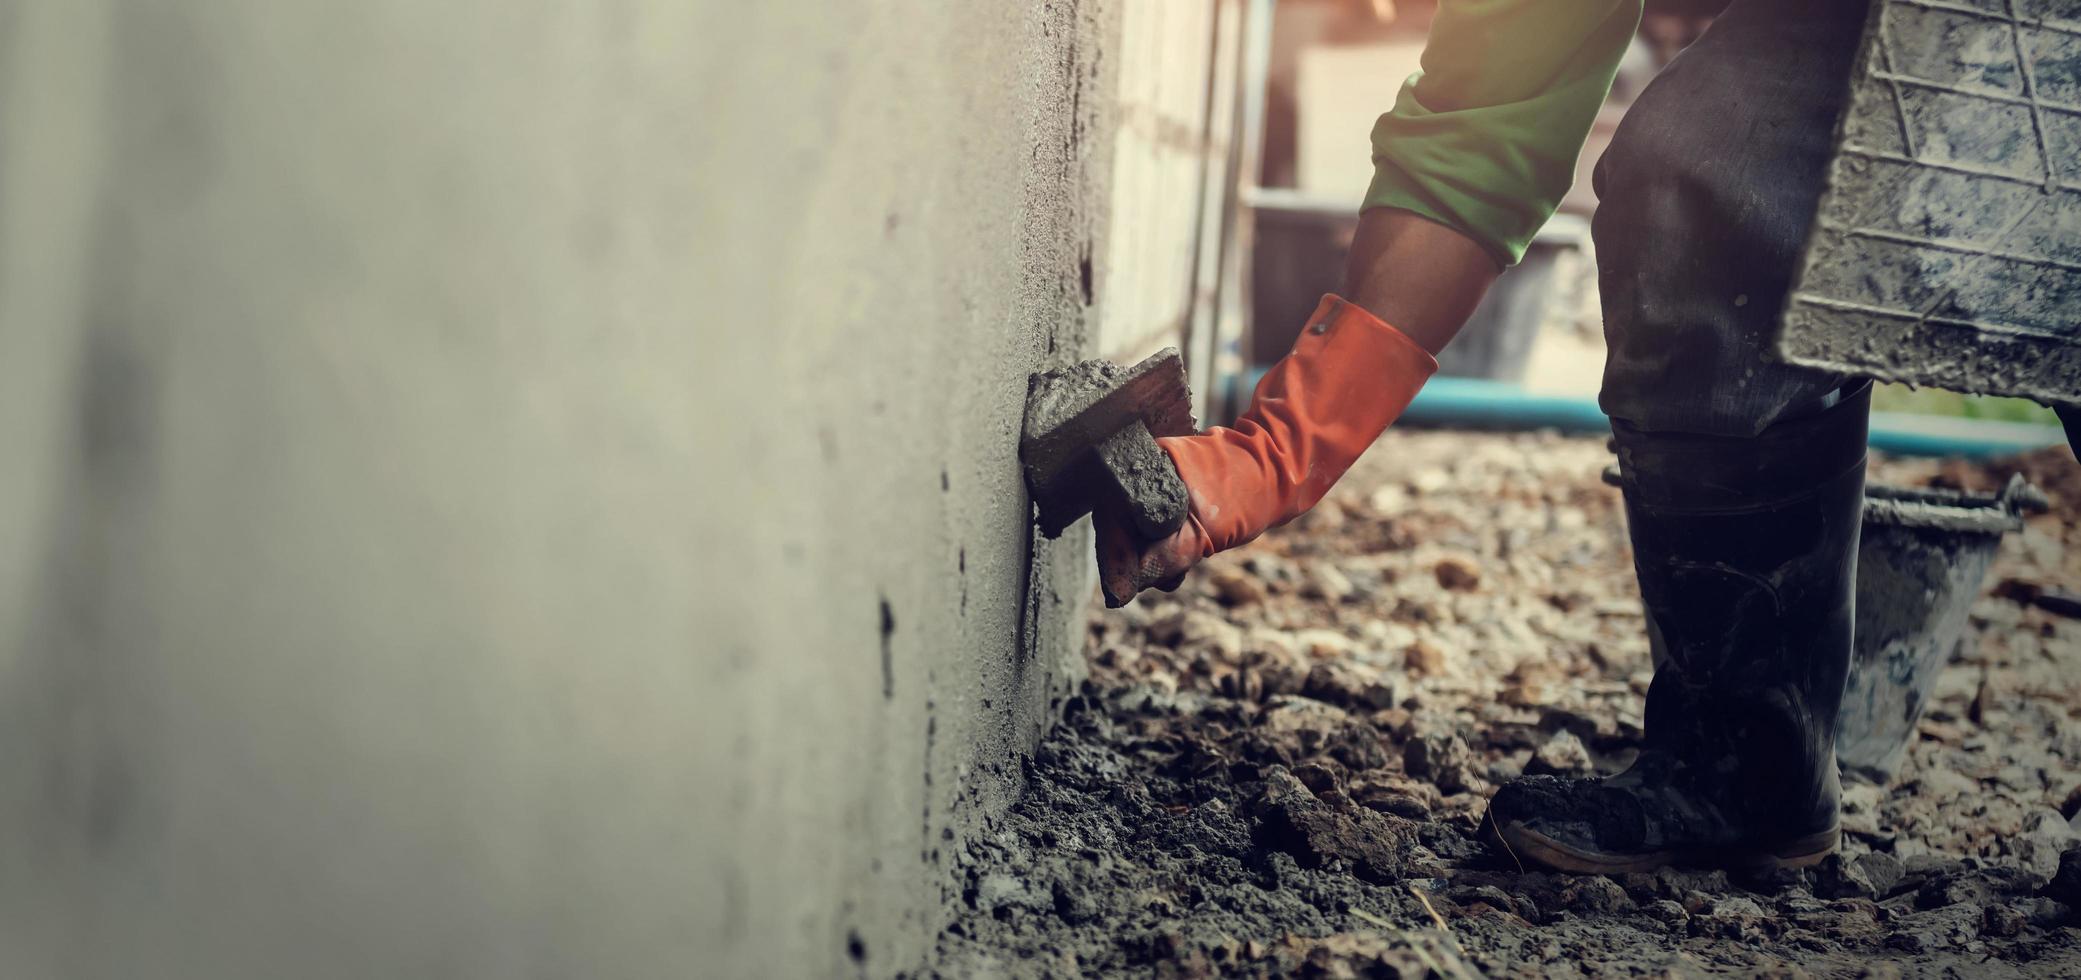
1349, 377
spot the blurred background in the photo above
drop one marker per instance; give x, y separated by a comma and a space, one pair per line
1540, 328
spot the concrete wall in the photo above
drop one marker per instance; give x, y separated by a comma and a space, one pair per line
524, 488
1160, 160
1171, 183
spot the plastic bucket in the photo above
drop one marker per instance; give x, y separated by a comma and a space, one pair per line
1496, 343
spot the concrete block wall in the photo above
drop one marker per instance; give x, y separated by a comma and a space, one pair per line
1173, 180
529, 488
1161, 157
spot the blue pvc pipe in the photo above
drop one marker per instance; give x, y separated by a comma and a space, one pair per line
1477, 403
1937, 435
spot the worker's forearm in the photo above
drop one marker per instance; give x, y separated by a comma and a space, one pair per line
1416, 274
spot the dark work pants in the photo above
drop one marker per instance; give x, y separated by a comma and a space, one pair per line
1705, 197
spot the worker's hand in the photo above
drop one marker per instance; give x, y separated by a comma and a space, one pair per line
1129, 563
1349, 376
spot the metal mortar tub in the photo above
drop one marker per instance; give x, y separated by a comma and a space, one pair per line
1921, 563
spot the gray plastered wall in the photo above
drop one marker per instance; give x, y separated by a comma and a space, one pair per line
525, 489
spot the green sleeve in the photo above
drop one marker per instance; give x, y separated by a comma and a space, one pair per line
1484, 139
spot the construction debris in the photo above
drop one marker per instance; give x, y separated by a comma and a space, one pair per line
1277, 770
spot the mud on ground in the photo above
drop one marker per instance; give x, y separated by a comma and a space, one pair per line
1279, 769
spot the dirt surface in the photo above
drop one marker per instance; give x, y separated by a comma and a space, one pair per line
1278, 770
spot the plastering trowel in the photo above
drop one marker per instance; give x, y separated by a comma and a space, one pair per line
1090, 442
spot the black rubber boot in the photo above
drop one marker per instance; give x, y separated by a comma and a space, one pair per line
1747, 556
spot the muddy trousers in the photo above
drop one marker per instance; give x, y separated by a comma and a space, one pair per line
1705, 198
1743, 475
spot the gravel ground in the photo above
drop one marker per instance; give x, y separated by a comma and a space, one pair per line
1278, 769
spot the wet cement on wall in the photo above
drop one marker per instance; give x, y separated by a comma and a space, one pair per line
525, 489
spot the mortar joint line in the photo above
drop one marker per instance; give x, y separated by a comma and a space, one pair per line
1900, 106
1895, 313
2045, 23
1974, 260
1952, 166
1962, 247
1991, 95
2026, 66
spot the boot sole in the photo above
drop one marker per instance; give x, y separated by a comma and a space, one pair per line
1798, 852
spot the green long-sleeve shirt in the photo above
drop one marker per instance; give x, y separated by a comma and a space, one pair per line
1484, 139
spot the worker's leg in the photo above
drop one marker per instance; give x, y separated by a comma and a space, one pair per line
1743, 477
1704, 201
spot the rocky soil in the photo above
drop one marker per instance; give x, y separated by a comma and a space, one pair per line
1278, 770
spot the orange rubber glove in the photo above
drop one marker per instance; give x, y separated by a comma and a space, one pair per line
1348, 378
